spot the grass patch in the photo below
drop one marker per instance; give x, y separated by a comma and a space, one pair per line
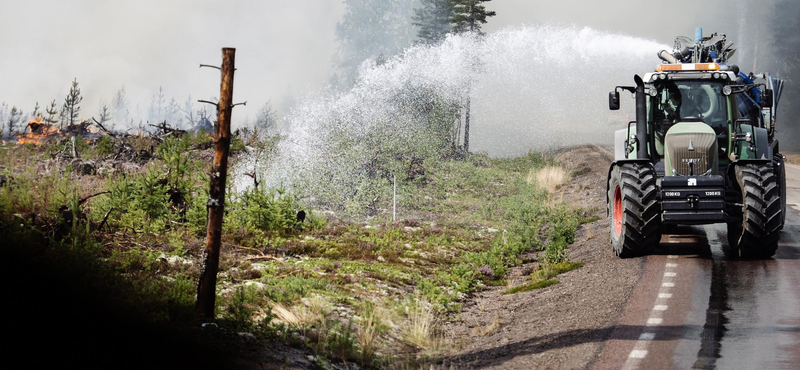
581, 171
588, 220
549, 271
549, 178
530, 286
542, 278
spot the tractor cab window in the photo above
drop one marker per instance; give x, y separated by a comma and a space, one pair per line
686, 101
747, 108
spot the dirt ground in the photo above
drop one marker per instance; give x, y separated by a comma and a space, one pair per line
563, 326
793, 158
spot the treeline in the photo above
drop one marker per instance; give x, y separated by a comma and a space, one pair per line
121, 115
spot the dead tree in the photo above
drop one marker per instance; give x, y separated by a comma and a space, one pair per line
207, 284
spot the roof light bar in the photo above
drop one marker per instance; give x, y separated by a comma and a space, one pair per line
688, 67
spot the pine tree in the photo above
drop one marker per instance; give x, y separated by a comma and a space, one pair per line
433, 20
51, 113
158, 105
369, 28
119, 108
188, 113
470, 15
266, 120
12, 120
36, 113
71, 107
105, 115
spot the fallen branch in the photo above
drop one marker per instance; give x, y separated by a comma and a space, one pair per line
248, 248
107, 131
167, 129
254, 258
105, 218
83, 200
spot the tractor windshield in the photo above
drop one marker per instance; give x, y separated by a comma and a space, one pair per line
682, 101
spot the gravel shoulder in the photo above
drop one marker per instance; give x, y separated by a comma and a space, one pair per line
563, 326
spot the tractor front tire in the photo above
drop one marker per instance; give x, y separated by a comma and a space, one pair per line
633, 210
756, 234
780, 172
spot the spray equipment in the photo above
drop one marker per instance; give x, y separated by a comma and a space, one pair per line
711, 49
667, 57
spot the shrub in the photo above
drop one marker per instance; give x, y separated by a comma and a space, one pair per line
272, 211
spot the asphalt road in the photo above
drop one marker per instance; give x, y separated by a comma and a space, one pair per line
694, 308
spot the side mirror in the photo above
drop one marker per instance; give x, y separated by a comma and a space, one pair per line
613, 100
767, 99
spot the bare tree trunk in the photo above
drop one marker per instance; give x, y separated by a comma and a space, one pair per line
206, 286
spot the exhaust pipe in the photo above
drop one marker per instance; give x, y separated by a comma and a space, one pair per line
667, 57
641, 119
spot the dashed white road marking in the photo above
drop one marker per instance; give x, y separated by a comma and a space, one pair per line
647, 336
639, 351
655, 321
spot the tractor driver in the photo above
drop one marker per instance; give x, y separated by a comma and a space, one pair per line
667, 111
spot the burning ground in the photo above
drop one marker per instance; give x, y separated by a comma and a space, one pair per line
115, 252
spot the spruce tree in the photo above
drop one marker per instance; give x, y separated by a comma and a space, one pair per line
433, 20
71, 107
470, 15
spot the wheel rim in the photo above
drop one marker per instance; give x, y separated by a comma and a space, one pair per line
617, 211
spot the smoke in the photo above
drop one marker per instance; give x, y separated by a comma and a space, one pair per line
286, 48
283, 48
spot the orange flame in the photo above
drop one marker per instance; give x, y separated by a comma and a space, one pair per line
37, 132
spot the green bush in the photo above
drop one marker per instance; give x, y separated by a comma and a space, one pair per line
271, 211
104, 146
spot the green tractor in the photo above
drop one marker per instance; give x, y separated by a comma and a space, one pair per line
701, 151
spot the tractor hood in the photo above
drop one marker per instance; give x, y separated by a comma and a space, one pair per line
691, 150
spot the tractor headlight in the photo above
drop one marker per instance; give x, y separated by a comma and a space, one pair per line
724, 76
716, 75
727, 90
653, 91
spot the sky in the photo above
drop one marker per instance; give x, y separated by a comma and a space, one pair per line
284, 48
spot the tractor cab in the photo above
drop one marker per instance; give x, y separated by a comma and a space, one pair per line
702, 131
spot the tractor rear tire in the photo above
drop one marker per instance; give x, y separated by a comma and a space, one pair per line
633, 210
756, 235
